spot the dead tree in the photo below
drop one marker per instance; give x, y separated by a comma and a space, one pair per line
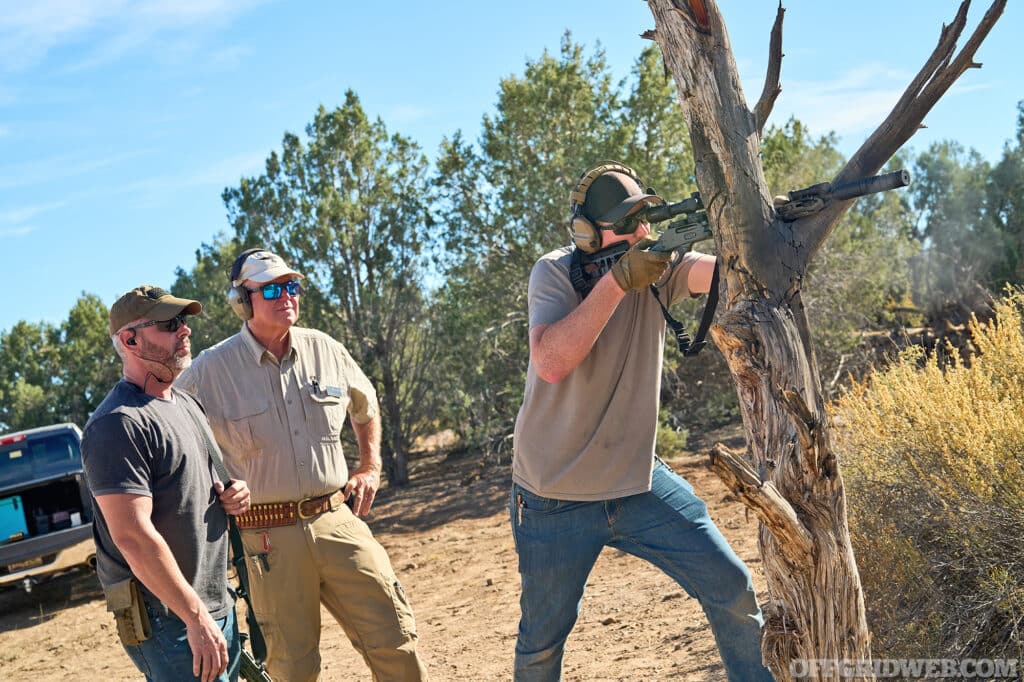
789, 476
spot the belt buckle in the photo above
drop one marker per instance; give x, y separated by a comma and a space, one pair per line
298, 509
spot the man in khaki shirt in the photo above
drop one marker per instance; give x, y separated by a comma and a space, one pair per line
276, 396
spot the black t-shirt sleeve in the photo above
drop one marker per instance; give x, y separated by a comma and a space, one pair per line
116, 457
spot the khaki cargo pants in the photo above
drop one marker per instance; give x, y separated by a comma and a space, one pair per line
331, 559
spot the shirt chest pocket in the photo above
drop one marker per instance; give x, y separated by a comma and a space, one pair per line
245, 426
325, 412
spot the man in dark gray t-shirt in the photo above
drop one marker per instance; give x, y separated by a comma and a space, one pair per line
160, 522
141, 445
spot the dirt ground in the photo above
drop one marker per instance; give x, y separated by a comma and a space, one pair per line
450, 543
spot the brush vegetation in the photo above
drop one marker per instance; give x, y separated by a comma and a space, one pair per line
932, 450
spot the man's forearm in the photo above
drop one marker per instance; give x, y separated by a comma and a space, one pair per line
148, 555
561, 346
151, 561
368, 439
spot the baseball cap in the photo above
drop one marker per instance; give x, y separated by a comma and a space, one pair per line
261, 267
614, 195
149, 303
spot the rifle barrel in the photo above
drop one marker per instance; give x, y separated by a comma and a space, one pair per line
878, 183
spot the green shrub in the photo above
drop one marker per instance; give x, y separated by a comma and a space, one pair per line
671, 436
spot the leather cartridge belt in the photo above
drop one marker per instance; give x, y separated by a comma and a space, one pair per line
274, 514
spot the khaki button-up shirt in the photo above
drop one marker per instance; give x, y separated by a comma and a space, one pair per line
279, 423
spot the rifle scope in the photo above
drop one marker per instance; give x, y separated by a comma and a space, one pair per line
657, 214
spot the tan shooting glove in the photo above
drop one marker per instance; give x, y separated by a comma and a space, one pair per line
638, 269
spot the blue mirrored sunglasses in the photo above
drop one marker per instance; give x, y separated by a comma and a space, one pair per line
272, 291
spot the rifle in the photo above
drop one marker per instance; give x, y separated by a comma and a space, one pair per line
249, 669
680, 234
804, 202
586, 268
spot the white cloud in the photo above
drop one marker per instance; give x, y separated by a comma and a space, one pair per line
407, 113
156, 190
228, 171
25, 213
108, 28
852, 105
855, 101
230, 56
43, 171
28, 30
19, 231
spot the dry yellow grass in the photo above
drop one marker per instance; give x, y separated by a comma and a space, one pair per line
932, 454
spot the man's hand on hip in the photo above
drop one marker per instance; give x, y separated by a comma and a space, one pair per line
362, 488
639, 268
209, 648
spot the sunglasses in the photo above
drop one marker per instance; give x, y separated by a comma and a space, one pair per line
272, 291
628, 224
171, 325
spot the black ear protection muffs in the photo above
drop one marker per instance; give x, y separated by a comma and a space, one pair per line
582, 231
238, 295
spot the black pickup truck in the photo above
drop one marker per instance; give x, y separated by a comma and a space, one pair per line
45, 512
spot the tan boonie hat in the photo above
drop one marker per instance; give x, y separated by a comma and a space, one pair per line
149, 303
261, 267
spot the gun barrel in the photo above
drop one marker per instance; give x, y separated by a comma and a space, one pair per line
657, 214
878, 183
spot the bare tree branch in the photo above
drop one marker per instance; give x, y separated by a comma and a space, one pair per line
767, 503
771, 90
937, 75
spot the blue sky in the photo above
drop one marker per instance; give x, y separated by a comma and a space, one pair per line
121, 122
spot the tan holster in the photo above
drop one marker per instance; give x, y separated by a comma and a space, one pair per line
125, 601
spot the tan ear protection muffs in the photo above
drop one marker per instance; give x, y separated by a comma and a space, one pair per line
582, 230
238, 295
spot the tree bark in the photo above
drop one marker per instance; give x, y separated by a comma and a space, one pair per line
394, 458
789, 476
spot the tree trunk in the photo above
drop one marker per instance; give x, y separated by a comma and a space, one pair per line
394, 459
789, 475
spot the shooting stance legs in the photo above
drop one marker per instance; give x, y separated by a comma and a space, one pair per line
558, 542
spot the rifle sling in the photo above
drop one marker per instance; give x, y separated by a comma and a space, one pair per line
687, 346
259, 645
690, 347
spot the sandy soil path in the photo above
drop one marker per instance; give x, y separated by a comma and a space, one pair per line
449, 540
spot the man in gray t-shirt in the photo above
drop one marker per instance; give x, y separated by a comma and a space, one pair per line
584, 469
160, 523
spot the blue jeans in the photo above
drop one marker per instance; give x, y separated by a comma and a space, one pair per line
558, 542
166, 656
